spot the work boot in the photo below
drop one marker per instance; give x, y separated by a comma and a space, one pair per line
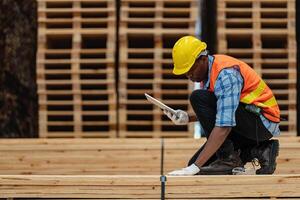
266, 154
227, 159
246, 156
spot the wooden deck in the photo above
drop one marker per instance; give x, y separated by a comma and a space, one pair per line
148, 187
114, 156
130, 169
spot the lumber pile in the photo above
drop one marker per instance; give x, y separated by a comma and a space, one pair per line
114, 156
80, 156
102, 187
130, 168
148, 187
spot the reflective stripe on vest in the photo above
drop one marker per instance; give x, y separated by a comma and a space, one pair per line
255, 90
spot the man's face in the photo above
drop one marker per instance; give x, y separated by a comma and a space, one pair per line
198, 71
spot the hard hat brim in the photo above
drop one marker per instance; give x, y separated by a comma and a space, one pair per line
183, 71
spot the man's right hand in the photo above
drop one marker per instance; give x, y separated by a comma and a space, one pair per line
180, 118
188, 171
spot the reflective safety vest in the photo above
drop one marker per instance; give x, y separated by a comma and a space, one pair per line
255, 90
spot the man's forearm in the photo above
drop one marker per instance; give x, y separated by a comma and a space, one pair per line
214, 141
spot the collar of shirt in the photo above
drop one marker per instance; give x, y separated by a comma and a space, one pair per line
210, 62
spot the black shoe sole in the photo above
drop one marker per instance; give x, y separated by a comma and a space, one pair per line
229, 172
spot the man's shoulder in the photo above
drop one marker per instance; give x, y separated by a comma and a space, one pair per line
230, 71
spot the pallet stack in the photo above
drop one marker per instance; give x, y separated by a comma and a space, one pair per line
262, 33
148, 31
75, 68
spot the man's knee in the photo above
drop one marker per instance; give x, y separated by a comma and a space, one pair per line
201, 97
194, 97
197, 96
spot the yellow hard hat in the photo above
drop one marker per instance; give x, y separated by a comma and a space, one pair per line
185, 52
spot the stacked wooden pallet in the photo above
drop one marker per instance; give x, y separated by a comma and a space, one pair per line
262, 33
148, 31
75, 68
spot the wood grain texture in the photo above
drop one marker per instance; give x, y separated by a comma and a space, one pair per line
127, 156
148, 187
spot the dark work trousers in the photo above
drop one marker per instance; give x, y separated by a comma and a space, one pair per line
248, 132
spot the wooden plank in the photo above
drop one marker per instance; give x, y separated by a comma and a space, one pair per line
116, 156
132, 187
80, 156
234, 186
78, 144
148, 187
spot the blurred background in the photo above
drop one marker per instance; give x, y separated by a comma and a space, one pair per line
80, 68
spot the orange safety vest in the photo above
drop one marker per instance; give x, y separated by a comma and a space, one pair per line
255, 90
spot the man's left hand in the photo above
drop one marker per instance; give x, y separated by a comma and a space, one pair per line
188, 171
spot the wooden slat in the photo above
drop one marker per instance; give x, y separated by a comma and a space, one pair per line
224, 187
132, 187
80, 156
146, 187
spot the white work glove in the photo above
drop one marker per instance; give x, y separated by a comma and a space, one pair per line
188, 171
181, 117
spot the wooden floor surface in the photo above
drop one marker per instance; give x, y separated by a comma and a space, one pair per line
148, 187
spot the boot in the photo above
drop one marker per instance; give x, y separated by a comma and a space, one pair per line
227, 159
246, 155
266, 154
